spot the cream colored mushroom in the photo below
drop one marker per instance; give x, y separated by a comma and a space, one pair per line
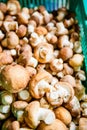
63, 114
23, 16
62, 12
51, 38
63, 41
82, 123
36, 39
74, 106
61, 93
56, 125
38, 17
56, 65
70, 79
13, 7
77, 47
1, 35
18, 109
76, 60
14, 78
69, 22
31, 26
44, 53
51, 27
39, 84
10, 25
84, 108
61, 30
34, 114
80, 75
67, 70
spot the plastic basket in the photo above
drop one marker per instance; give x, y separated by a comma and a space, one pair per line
78, 6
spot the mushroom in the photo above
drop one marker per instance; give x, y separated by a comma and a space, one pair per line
31, 26
25, 55
13, 7
61, 30
1, 16
72, 126
70, 79
36, 39
22, 30
63, 114
12, 40
31, 71
11, 79
3, 7
1, 35
65, 53
39, 84
61, 13
79, 90
40, 30
14, 125
6, 98
77, 47
69, 22
80, 75
51, 27
23, 16
63, 41
18, 109
38, 17
84, 108
34, 113
56, 65
67, 70
61, 93
5, 58
56, 125
44, 53
76, 60
51, 38
10, 25
47, 16
74, 107
74, 37
82, 123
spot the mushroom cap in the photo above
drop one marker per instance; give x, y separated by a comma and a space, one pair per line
14, 78
56, 125
70, 79
30, 114
66, 53
63, 114
83, 123
43, 52
41, 75
63, 92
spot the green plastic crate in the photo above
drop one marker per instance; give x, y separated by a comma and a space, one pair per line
77, 6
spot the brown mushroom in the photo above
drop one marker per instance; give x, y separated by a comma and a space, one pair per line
34, 114
65, 53
22, 30
63, 114
56, 125
83, 123
14, 78
44, 53
39, 84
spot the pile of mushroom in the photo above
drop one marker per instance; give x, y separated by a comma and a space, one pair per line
41, 70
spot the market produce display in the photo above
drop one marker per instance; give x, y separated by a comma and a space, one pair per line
41, 71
